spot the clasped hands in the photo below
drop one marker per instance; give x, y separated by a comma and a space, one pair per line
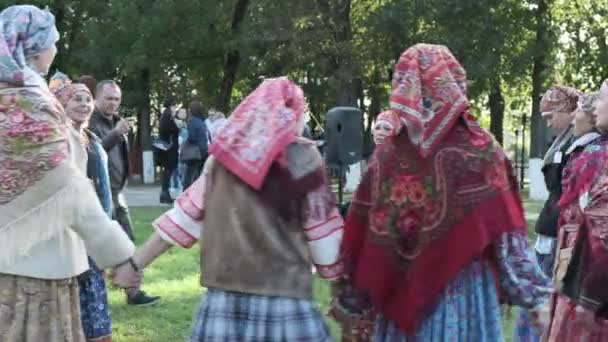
126, 275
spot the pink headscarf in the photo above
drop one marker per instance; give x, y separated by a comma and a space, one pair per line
392, 119
62, 87
559, 98
259, 130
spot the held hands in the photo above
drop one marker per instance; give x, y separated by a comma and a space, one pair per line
540, 317
125, 276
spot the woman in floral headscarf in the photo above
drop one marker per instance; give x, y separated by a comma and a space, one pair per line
49, 214
77, 100
388, 124
580, 309
263, 211
437, 225
556, 106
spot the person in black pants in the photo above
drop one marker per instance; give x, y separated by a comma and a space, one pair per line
112, 130
168, 132
197, 136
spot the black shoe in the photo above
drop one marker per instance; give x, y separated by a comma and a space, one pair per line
165, 197
141, 299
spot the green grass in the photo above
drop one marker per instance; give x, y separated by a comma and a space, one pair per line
175, 277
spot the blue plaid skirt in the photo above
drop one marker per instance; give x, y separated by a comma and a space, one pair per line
231, 316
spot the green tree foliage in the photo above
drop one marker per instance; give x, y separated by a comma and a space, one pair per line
340, 51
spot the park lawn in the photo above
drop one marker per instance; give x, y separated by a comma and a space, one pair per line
175, 277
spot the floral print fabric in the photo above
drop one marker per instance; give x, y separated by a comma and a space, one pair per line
259, 130
26, 31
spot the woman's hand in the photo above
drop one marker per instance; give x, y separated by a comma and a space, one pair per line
540, 317
585, 318
125, 276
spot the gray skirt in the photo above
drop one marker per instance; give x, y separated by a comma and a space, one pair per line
38, 310
231, 316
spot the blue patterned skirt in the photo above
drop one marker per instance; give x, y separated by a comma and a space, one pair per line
468, 310
524, 332
94, 308
231, 316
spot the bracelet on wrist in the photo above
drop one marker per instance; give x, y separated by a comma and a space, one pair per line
132, 263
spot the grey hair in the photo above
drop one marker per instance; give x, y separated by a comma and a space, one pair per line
102, 84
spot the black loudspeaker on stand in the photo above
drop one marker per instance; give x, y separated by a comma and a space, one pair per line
344, 140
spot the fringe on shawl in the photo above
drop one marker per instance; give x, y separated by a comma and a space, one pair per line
45, 221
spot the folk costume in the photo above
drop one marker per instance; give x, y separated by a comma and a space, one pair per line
94, 307
263, 211
582, 252
556, 99
435, 238
50, 217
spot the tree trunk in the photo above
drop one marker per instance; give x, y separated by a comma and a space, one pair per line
233, 59
538, 138
344, 59
143, 111
335, 16
496, 102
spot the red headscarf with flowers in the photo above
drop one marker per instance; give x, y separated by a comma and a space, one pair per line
392, 119
434, 199
259, 130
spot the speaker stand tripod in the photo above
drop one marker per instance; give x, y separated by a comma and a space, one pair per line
340, 184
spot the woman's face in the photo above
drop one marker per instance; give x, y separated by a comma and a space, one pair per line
182, 114
601, 112
42, 62
559, 121
583, 123
80, 107
382, 130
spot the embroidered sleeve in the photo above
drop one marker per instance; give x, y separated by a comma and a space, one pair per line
323, 227
595, 281
522, 281
183, 224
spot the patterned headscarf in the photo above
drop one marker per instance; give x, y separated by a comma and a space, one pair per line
259, 130
26, 31
424, 191
392, 119
63, 88
429, 94
559, 98
586, 102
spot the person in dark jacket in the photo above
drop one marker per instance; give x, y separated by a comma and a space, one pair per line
197, 136
168, 132
112, 130
556, 107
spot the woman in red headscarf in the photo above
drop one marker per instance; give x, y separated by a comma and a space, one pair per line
388, 124
436, 229
580, 308
263, 211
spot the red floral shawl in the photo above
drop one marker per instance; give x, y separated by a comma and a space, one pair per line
421, 214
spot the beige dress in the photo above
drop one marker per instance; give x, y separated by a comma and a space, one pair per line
39, 310
47, 230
